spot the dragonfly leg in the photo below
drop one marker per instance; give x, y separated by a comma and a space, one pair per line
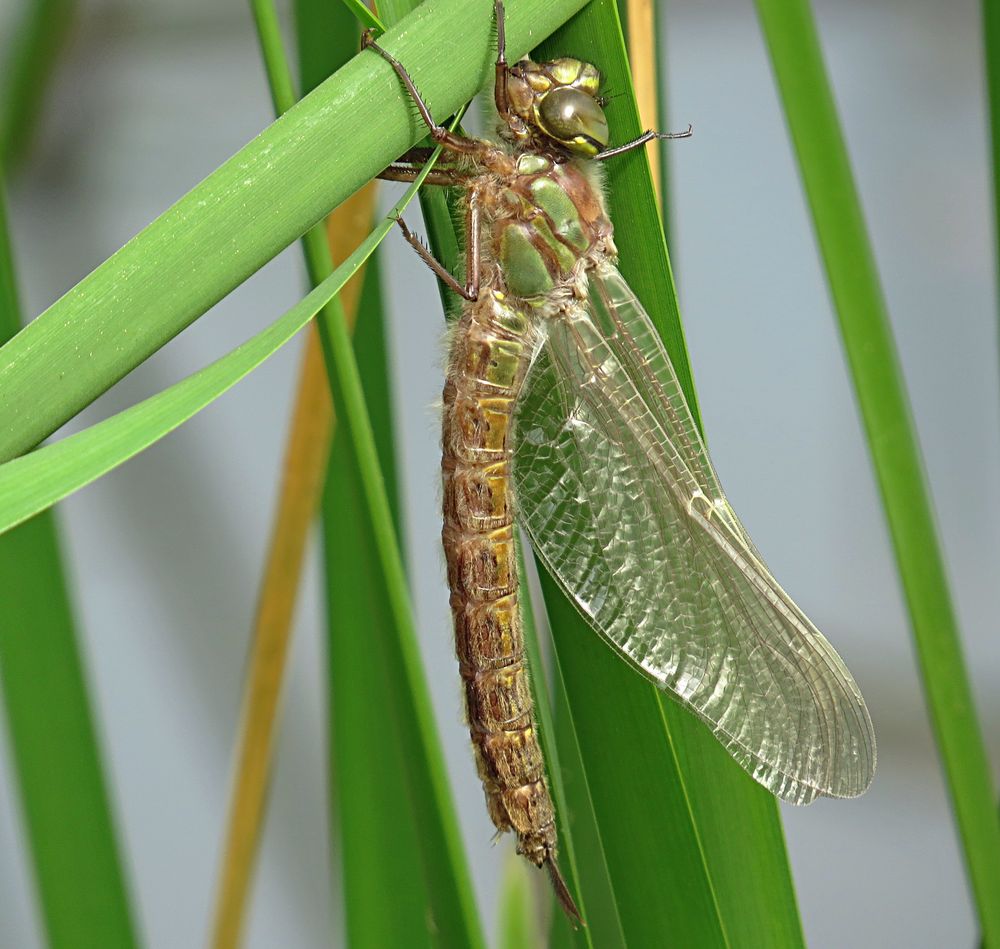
562, 892
500, 87
403, 171
439, 133
472, 251
419, 155
471, 289
646, 136
501, 96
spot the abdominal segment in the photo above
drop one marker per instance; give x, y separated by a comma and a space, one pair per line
489, 358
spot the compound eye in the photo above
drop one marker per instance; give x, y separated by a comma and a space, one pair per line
575, 120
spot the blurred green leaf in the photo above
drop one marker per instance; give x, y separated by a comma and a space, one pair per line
56, 756
812, 119
517, 927
29, 59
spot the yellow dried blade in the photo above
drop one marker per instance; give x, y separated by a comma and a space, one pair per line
304, 466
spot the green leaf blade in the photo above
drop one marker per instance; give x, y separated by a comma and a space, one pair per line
56, 754
70, 829
31, 58
368, 767
36, 481
517, 927
267, 195
371, 763
650, 841
838, 221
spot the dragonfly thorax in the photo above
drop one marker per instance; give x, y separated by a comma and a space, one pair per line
549, 218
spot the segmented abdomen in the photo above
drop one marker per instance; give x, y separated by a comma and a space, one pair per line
489, 357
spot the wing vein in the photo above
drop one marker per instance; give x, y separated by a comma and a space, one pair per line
619, 496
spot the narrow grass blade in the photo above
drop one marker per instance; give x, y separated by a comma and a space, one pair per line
542, 698
268, 194
663, 122
36, 481
56, 756
279, 75
854, 284
693, 846
991, 43
303, 476
582, 853
298, 498
381, 836
365, 16
639, 794
642, 49
302, 479
379, 802
30, 60
604, 925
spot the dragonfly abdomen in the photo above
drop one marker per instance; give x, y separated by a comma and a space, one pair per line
490, 354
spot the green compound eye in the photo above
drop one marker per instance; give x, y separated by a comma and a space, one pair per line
575, 120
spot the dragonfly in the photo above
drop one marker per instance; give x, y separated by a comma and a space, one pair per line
563, 414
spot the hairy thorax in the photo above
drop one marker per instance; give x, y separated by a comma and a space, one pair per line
541, 220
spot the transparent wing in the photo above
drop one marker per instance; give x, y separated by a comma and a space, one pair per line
616, 490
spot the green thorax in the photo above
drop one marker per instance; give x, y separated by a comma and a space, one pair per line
552, 215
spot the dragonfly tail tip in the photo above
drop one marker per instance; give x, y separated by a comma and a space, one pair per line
563, 894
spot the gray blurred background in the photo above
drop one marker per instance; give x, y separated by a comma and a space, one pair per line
165, 553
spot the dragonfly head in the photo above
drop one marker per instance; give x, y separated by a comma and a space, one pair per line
560, 104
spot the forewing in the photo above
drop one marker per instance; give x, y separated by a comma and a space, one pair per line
616, 490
